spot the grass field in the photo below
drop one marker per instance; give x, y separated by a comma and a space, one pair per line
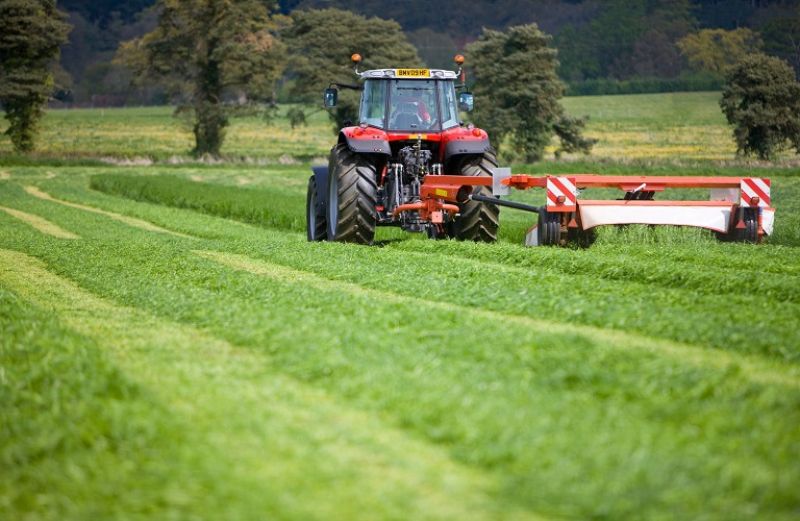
680, 128
172, 348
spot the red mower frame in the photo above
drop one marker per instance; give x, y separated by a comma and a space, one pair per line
739, 208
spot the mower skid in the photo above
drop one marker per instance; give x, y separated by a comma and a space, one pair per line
711, 215
767, 220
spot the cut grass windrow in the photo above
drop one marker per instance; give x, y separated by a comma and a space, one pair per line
40, 224
536, 412
547, 288
259, 435
277, 208
483, 362
683, 315
698, 273
130, 221
751, 367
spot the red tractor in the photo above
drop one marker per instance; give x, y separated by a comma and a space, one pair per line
411, 163
408, 128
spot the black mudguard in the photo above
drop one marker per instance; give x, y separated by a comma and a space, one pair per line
460, 147
367, 146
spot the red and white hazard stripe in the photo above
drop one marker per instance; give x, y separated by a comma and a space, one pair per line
755, 189
561, 192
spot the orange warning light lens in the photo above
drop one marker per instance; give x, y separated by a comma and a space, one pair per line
355, 58
560, 199
755, 200
459, 59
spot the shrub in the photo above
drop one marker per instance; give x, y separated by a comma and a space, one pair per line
761, 99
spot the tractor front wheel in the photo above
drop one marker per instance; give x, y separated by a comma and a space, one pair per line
352, 196
316, 225
478, 221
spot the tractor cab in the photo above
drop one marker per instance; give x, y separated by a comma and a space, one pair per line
407, 100
409, 105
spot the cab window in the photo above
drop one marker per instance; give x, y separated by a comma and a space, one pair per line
449, 107
413, 105
373, 103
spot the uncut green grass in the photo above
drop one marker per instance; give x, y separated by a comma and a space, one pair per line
653, 375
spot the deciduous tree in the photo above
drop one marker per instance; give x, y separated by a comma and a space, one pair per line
782, 38
203, 50
626, 38
517, 91
762, 100
321, 42
31, 32
714, 50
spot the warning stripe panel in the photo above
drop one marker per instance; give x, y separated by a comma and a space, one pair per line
566, 187
755, 187
561, 187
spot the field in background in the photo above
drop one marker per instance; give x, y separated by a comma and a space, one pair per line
677, 128
171, 347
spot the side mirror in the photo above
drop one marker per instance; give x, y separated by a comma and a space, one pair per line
330, 98
466, 101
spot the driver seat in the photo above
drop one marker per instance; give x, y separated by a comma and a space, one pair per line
407, 117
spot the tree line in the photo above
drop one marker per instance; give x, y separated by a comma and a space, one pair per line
605, 46
216, 58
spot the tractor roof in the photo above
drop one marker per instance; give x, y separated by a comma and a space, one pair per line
409, 74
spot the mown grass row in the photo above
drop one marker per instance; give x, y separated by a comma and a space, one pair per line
227, 438
712, 309
697, 261
279, 208
565, 423
69, 416
730, 310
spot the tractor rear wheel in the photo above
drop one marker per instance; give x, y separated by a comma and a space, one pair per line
352, 195
316, 225
477, 221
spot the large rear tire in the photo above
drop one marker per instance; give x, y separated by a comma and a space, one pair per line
352, 196
316, 223
478, 221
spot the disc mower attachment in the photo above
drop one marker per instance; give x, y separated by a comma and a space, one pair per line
739, 209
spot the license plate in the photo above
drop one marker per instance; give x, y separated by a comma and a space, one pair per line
413, 73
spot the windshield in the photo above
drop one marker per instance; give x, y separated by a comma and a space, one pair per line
411, 105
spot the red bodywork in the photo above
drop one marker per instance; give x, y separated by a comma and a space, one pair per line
454, 134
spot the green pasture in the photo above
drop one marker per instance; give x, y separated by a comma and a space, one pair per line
172, 348
682, 128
